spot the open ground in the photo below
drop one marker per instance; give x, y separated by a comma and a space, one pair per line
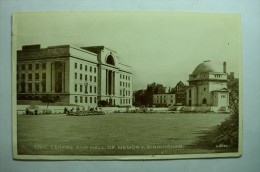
115, 134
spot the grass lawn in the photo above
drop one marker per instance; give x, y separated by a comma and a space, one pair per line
118, 133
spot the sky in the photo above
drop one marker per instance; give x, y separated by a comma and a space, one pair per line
161, 47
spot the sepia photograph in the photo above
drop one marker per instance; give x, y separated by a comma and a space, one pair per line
120, 85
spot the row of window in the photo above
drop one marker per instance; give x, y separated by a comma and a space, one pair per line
92, 89
32, 66
161, 101
86, 99
29, 76
124, 93
94, 100
125, 101
122, 76
85, 77
23, 88
163, 97
125, 84
223, 96
85, 67
218, 76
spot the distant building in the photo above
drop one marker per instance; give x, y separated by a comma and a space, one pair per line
82, 76
180, 93
139, 98
151, 90
163, 100
208, 86
233, 83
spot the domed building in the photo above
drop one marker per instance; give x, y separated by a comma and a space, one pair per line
208, 86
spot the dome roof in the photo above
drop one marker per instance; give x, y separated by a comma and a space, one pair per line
208, 66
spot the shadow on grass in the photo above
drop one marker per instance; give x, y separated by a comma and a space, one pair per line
207, 142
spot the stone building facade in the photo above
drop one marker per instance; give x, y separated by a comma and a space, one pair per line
82, 76
166, 99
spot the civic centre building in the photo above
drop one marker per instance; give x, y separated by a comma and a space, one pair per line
81, 76
208, 86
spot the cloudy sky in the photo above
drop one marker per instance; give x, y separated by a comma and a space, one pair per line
162, 47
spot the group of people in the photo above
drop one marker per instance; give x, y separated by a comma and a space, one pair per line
67, 111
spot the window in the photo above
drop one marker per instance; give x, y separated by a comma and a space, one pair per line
30, 67
86, 67
29, 76
29, 87
123, 76
75, 76
90, 89
120, 76
86, 89
80, 76
75, 87
90, 69
80, 67
44, 66
36, 76
81, 99
43, 76
86, 99
23, 66
95, 89
204, 89
90, 78
86, 77
37, 66
120, 92
43, 86
95, 100
23, 76
110, 60
80, 88
189, 93
17, 88
120, 83
37, 87
95, 70
90, 100
123, 84
95, 79
75, 65
76, 99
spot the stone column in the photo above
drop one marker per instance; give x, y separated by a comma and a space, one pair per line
114, 83
106, 82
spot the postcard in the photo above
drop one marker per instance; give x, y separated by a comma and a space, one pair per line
126, 85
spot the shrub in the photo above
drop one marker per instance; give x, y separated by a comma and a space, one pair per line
228, 129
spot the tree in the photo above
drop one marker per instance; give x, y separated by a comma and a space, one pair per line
228, 130
49, 99
102, 103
